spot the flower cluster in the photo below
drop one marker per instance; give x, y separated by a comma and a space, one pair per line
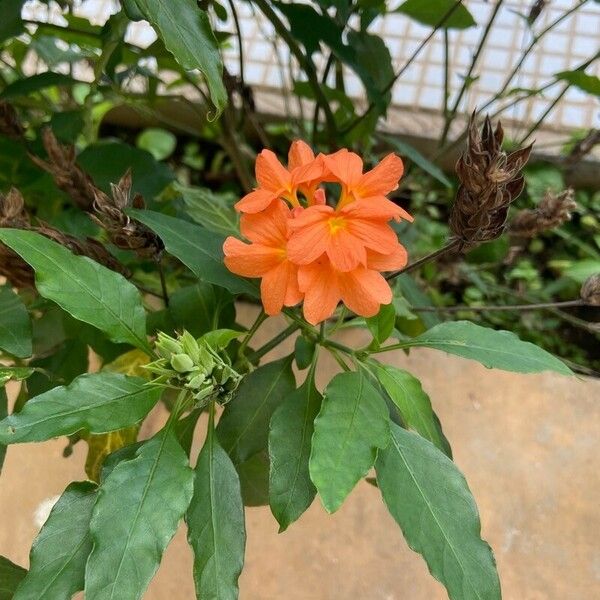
306, 250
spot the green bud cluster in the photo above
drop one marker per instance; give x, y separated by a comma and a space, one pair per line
194, 364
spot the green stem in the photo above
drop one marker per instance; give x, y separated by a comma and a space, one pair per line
446, 99
305, 62
340, 361
453, 245
467, 80
280, 337
260, 319
519, 307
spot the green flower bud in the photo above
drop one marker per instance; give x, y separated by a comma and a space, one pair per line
190, 346
166, 346
182, 363
197, 381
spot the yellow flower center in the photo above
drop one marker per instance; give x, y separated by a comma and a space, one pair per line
336, 224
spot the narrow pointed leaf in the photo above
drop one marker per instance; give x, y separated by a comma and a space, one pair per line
352, 425
10, 576
243, 429
493, 349
61, 549
137, 513
96, 402
291, 490
3, 413
197, 248
216, 529
429, 498
413, 404
87, 290
15, 326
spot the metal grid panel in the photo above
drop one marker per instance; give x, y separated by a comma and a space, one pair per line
268, 66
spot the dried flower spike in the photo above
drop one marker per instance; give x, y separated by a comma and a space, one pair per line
490, 181
551, 212
124, 232
68, 176
10, 126
590, 291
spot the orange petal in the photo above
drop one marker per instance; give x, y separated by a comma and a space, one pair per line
375, 235
388, 262
250, 260
345, 166
382, 179
309, 234
345, 252
364, 291
300, 154
269, 227
321, 292
255, 201
274, 287
311, 171
271, 174
375, 207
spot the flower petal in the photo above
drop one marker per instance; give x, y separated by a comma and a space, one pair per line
346, 252
255, 201
300, 154
269, 227
274, 288
345, 166
250, 260
375, 235
364, 291
375, 207
309, 234
388, 262
321, 292
271, 174
382, 179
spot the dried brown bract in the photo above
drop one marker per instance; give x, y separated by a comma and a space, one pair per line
124, 232
490, 181
535, 11
551, 212
68, 176
10, 126
590, 291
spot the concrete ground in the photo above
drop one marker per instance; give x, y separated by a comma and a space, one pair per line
527, 444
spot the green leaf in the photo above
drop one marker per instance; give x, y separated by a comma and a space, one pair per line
139, 506
583, 81
202, 307
16, 373
197, 248
194, 45
11, 24
581, 270
219, 339
291, 490
213, 211
254, 479
15, 326
493, 349
35, 83
431, 13
96, 402
61, 549
106, 161
304, 350
413, 404
159, 142
87, 290
243, 428
10, 576
352, 424
430, 500
215, 520
408, 151
382, 324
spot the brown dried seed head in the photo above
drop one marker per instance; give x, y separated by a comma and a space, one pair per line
590, 291
490, 181
10, 126
12, 210
68, 176
551, 212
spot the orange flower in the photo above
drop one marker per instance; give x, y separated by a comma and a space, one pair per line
363, 290
266, 256
275, 181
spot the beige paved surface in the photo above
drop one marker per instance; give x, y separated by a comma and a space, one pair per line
528, 446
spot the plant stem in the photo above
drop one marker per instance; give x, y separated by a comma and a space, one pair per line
340, 361
305, 62
402, 70
446, 73
163, 282
260, 319
280, 337
519, 307
467, 80
238, 33
454, 244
